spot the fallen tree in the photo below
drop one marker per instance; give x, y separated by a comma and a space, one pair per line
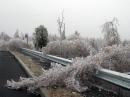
79, 75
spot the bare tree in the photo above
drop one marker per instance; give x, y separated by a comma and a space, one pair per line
61, 29
110, 32
61, 26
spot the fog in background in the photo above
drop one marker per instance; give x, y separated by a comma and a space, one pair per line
86, 16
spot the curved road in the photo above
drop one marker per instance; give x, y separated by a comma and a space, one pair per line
10, 69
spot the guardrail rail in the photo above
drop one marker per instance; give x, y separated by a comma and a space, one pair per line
117, 78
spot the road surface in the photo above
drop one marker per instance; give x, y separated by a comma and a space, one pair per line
10, 69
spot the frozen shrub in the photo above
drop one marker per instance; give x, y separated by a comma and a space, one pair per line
94, 45
74, 47
4, 36
115, 58
68, 48
72, 76
74, 36
13, 44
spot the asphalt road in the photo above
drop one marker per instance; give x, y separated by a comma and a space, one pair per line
10, 69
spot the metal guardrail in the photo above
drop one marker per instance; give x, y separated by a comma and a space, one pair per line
117, 78
40, 55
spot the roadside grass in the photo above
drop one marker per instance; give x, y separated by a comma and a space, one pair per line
34, 66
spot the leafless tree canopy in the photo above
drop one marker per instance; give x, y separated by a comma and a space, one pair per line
61, 26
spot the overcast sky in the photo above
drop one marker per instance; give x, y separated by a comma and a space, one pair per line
86, 16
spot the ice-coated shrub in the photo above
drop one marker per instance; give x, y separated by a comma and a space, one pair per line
77, 76
4, 36
13, 44
68, 48
74, 47
115, 58
74, 36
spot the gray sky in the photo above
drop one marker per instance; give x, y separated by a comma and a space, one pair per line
86, 16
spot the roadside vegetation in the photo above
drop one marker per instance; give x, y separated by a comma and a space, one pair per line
88, 55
